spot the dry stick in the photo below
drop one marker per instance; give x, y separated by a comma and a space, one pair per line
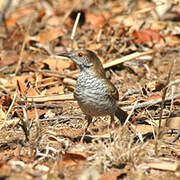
37, 126
99, 35
24, 125
61, 97
172, 100
145, 10
74, 29
151, 102
10, 107
23, 46
41, 106
132, 110
127, 119
126, 58
162, 107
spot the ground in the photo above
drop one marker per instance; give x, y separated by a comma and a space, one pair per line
41, 123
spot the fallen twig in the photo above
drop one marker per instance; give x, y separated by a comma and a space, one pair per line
126, 58
41, 106
162, 107
151, 102
60, 97
23, 46
74, 29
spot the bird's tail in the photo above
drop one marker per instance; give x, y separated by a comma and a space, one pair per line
121, 115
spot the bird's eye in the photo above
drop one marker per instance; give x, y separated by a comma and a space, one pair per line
80, 55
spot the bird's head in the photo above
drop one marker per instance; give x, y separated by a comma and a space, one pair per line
86, 60
83, 58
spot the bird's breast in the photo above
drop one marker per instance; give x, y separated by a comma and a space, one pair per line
92, 96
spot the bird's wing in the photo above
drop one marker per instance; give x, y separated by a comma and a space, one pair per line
112, 91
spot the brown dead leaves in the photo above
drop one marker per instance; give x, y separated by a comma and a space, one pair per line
47, 35
57, 64
8, 58
97, 20
146, 35
113, 29
73, 158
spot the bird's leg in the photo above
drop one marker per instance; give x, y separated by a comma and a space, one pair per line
112, 123
89, 119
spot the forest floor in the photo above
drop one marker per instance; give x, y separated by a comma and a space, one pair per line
41, 124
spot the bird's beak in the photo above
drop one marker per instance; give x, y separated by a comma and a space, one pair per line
68, 55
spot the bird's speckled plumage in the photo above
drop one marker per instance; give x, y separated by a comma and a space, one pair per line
92, 95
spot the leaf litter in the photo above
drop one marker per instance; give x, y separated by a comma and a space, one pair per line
41, 123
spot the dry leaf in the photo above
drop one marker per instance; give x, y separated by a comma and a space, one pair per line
144, 129
146, 35
31, 114
18, 14
8, 58
142, 4
73, 158
112, 176
164, 165
47, 35
57, 64
26, 91
97, 20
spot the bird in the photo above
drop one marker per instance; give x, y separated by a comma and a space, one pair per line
95, 94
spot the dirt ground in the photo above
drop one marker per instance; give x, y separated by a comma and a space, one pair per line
41, 124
